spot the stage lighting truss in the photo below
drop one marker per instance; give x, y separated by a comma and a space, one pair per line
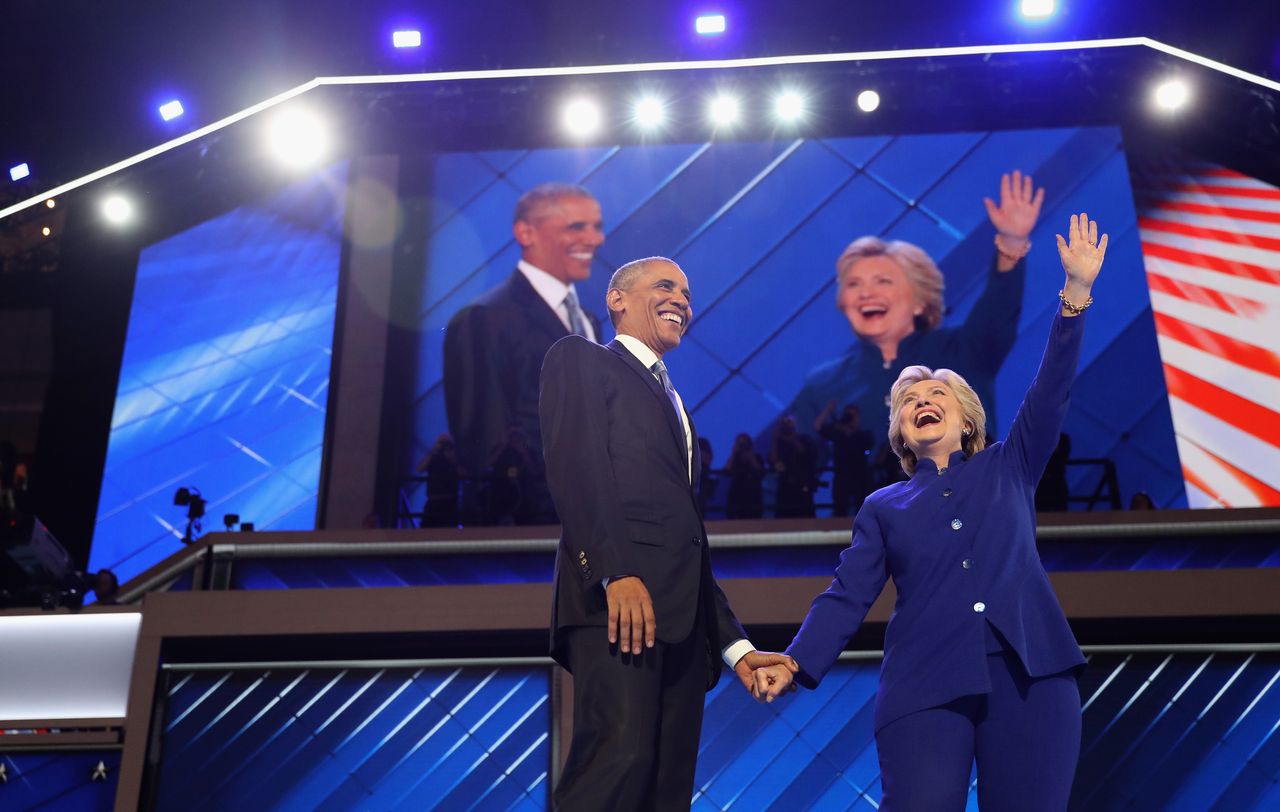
1037, 10
582, 118
1171, 95
171, 110
650, 113
710, 24
789, 106
117, 210
724, 110
297, 138
318, 140
406, 39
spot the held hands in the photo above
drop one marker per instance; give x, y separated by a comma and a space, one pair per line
772, 681
1081, 254
1018, 211
754, 661
631, 616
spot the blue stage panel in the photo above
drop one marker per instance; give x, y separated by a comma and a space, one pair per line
1160, 731
61, 781
395, 738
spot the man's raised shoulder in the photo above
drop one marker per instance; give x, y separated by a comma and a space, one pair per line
575, 349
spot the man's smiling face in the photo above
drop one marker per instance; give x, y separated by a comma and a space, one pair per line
561, 237
656, 308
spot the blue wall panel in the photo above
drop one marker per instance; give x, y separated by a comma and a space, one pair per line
225, 375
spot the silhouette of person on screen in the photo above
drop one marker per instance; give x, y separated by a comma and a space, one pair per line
493, 347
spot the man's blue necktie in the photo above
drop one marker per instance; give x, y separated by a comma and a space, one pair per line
577, 319
660, 370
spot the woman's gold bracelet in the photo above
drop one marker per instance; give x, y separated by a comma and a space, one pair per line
1071, 307
1013, 256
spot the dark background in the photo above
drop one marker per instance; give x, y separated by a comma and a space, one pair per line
83, 79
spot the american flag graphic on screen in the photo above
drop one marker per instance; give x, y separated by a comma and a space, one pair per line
1211, 242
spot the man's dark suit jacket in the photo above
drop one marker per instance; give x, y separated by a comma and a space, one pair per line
493, 351
618, 471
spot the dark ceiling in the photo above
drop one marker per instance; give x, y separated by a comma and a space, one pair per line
83, 79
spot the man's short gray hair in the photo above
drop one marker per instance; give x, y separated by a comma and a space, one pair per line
546, 194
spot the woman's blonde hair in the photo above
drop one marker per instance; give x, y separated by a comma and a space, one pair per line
921, 272
975, 417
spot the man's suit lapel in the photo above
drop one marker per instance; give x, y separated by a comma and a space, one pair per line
633, 363
533, 304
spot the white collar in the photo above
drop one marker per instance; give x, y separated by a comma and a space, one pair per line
551, 290
639, 349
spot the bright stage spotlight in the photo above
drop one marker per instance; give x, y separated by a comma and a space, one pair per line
709, 24
1037, 9
406, 39
117, 210
723, 111
297, 138
582, 118
46, 231
1171, 95
18, 172
171, 110
50, 203
650, 113
868, 101
789, 106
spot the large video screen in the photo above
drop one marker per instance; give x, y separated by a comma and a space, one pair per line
1211, 243
758, 227
224, 380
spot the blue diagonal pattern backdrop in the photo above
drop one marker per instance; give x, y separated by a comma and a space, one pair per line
1166, 731
225, 375
1161, 731
758, 226
373, 739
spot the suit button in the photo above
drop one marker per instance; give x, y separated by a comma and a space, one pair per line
696, 541
967, 563
979, 607
946, 491
956, 524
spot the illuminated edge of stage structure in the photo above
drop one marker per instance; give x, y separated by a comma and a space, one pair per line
639, 67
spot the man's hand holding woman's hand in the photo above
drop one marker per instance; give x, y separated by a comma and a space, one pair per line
761, 672
772, 681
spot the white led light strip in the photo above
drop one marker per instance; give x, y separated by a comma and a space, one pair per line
707, 64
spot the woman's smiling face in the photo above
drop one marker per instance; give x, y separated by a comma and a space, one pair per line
931, 419
878, 300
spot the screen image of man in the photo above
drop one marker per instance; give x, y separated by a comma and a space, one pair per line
493, 347
637, 616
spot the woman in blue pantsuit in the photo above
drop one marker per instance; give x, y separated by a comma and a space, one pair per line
979, 660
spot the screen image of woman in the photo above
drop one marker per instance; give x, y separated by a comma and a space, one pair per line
892, 294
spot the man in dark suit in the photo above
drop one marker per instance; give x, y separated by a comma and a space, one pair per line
493, 347
637, 617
